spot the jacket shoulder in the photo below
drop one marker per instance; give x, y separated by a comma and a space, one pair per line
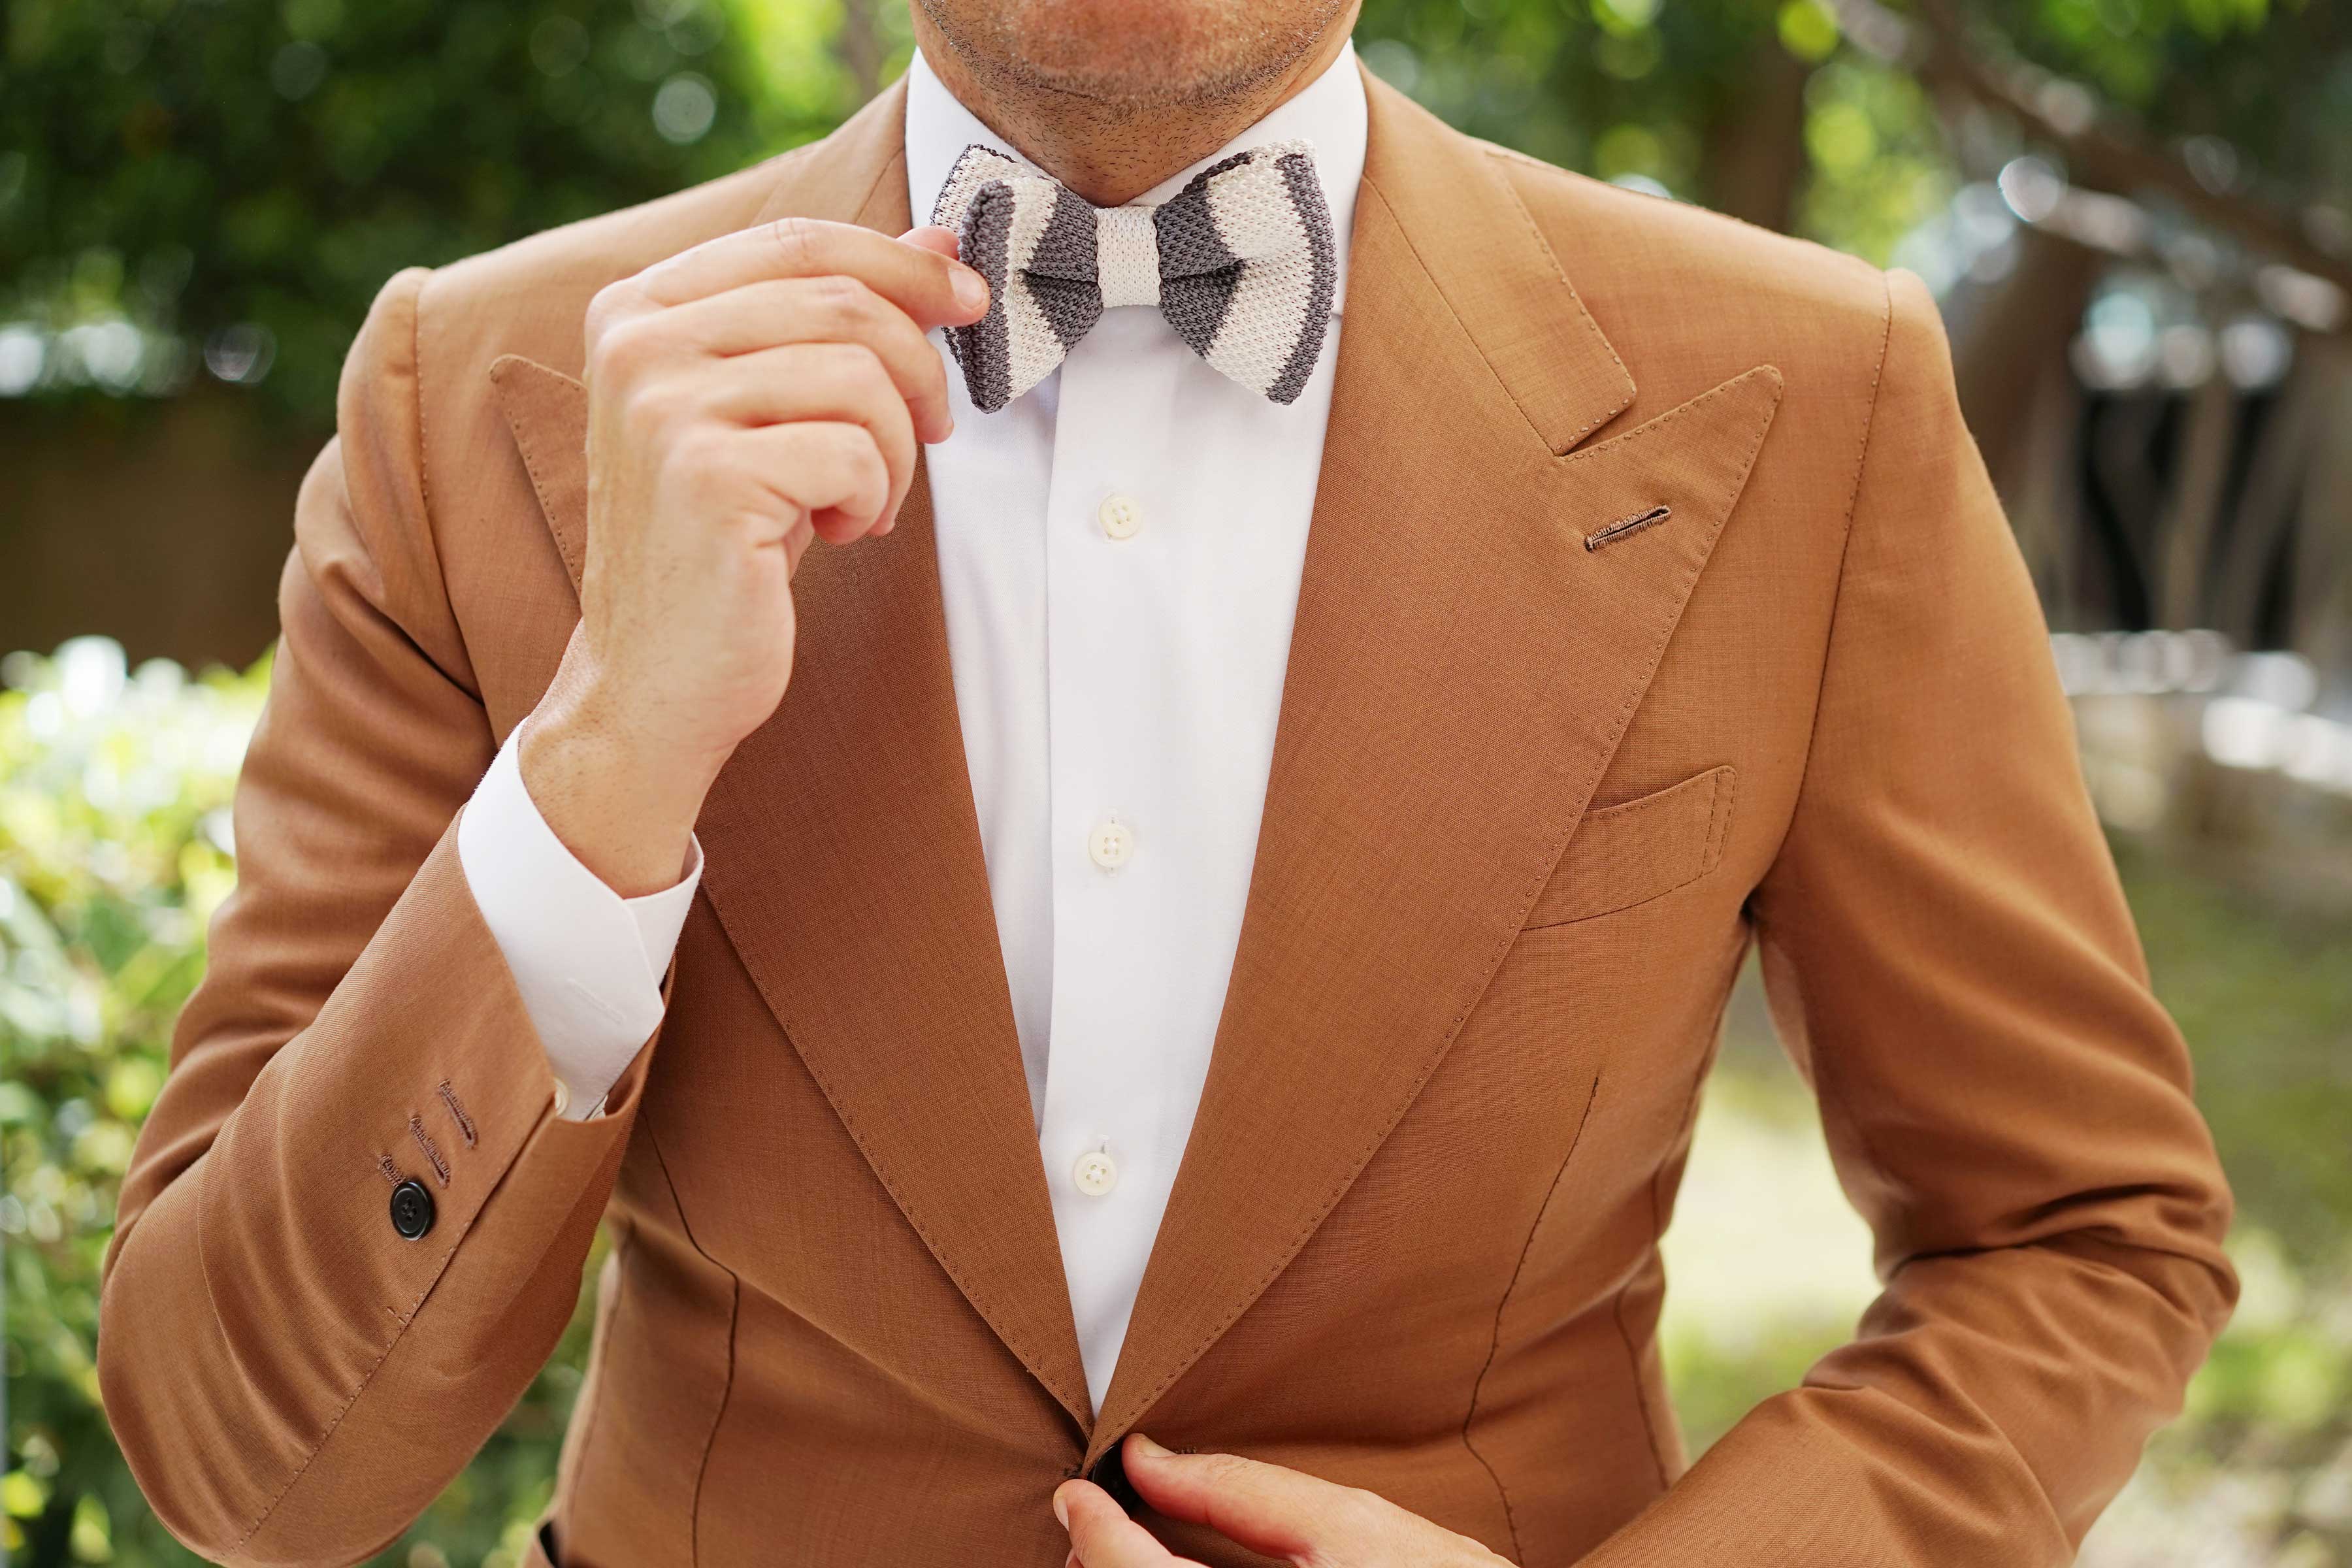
529, 297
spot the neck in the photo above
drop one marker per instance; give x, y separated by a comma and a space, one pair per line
1110, 152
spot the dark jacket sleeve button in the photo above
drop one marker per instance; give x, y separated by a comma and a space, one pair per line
412, 1209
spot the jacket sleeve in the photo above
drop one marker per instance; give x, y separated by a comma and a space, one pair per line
1950, 960
292, 1379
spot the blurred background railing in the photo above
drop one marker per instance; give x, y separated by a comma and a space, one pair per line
2136, 214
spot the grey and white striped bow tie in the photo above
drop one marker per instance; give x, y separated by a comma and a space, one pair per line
1241, 262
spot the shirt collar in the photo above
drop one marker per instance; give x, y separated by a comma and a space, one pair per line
1328, 113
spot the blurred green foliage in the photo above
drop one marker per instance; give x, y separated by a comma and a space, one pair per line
1753, 108
2265, 994
1768, 110
231, 180
114, 851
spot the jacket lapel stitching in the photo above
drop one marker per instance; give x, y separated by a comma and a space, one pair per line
1074, 1401
1583, 316
1722, 513
567, 542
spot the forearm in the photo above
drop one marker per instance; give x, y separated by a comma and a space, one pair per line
292, 1379
587, 962
1951, 961
292, 1374
1989, 1406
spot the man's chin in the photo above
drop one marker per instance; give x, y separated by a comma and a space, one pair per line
1131, 55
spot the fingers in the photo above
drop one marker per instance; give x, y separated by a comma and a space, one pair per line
797, 539
820, 310
931, 237
1269, 1510
1102, 1536
934, 289
817, 381
828, 474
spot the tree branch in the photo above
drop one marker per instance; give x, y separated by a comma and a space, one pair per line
1933, 45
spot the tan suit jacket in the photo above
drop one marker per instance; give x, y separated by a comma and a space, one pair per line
1533, 797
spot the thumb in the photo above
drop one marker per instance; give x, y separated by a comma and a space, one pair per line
931, 237
1269, 1510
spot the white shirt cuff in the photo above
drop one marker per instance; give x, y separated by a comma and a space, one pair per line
587, 961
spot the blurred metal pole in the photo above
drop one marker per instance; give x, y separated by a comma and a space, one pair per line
2319, 624
2270, 502
2013, 338
1756, 159
2184, 544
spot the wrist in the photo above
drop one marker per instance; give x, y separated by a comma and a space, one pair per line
624, 804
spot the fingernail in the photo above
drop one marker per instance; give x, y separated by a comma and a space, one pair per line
1061, 1507
1147, 1447
970, 288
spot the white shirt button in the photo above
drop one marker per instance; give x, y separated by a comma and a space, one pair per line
1095, 1173
1120, 515
1111, 844
562, 1098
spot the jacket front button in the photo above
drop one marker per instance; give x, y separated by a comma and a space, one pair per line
412, 1209
1110, 1473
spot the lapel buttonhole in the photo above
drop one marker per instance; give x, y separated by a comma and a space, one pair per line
1625, 525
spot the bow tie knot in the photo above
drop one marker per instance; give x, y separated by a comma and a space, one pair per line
1242, 262
1127, 253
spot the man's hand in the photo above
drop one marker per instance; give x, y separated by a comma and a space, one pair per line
1265, 1507
745, 398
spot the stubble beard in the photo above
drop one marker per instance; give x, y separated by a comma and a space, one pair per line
1192, 57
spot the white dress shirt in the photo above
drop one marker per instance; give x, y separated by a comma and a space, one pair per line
1120, 555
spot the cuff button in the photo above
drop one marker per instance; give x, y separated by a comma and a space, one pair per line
412, 1209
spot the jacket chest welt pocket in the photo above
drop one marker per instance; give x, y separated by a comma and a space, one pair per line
1637, 850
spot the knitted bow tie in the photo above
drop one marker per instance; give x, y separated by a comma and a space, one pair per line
1241, 262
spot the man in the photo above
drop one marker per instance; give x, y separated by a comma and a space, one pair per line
1196, 920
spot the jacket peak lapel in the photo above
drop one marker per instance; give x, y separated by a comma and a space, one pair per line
1478, 251
547, 414
1461, 670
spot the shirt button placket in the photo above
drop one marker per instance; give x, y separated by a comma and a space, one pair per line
1110, 845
